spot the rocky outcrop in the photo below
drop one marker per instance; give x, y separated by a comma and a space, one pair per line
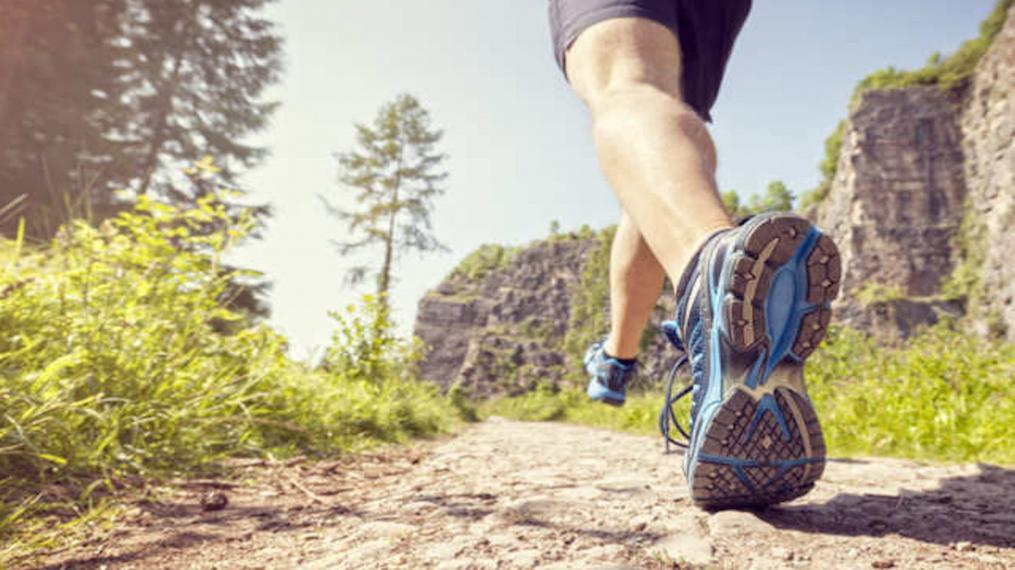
895, 203
915, 164
502, 331
988, 128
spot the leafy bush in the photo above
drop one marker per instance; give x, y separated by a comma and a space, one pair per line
948, 73
942, 395
122, 358
487, 257
828, 167
589, 320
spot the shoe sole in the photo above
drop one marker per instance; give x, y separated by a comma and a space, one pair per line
761, 443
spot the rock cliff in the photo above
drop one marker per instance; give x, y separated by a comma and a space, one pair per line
894, 205
922, 206
988, 128
925, 186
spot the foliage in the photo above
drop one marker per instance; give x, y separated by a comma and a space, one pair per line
124, 361
777, 198
638, 415
949, 73
365, 346
396, 173
872, 293
486, 258
942, 396
111, 94
589, 320
828, 167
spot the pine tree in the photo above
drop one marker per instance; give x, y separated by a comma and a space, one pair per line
196, 74
395, 172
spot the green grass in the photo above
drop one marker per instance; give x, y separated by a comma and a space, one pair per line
639, 415
942, 396
124, 362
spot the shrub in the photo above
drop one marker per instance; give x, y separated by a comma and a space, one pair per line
122, 358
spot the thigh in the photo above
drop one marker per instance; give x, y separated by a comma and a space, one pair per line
569, 18
621, 53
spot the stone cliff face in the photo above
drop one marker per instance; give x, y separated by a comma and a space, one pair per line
916, 163
988, 127
925, 184
503, 331
894, 206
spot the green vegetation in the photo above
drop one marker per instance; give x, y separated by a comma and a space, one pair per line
948, 73
941, 396
588, 320
828, 167
396, 172
639, 415
873, 293
486, 258
777, 198
125, 361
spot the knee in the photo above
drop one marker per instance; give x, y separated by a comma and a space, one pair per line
619, 106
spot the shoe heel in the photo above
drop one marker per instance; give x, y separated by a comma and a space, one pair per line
759, 451
806, 268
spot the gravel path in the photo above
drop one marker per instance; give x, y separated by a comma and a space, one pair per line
509, 494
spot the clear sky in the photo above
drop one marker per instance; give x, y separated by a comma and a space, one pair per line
520, 154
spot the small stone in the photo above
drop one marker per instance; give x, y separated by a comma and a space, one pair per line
964, 546
886, 563
214, 501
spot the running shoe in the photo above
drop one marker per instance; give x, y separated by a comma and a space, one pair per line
751, 307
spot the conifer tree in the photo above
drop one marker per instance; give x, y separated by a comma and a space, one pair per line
196, 74
395, 173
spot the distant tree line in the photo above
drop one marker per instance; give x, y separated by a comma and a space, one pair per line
101, 95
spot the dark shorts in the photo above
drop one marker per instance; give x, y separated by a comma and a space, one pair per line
706, 30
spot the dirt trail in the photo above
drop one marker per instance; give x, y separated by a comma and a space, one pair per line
521, 495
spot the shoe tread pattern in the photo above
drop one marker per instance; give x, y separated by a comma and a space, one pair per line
752, 435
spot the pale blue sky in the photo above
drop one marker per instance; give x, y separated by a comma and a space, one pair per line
518, 141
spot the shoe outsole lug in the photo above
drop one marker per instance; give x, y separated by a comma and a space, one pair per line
761, 464
824, 271
812, 330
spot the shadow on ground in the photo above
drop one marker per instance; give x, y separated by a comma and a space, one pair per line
978, 509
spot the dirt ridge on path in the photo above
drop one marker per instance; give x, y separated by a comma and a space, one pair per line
506, 494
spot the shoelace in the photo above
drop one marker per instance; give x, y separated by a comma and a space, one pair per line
668, 415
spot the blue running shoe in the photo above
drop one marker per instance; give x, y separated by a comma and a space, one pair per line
610, 376
751, 307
